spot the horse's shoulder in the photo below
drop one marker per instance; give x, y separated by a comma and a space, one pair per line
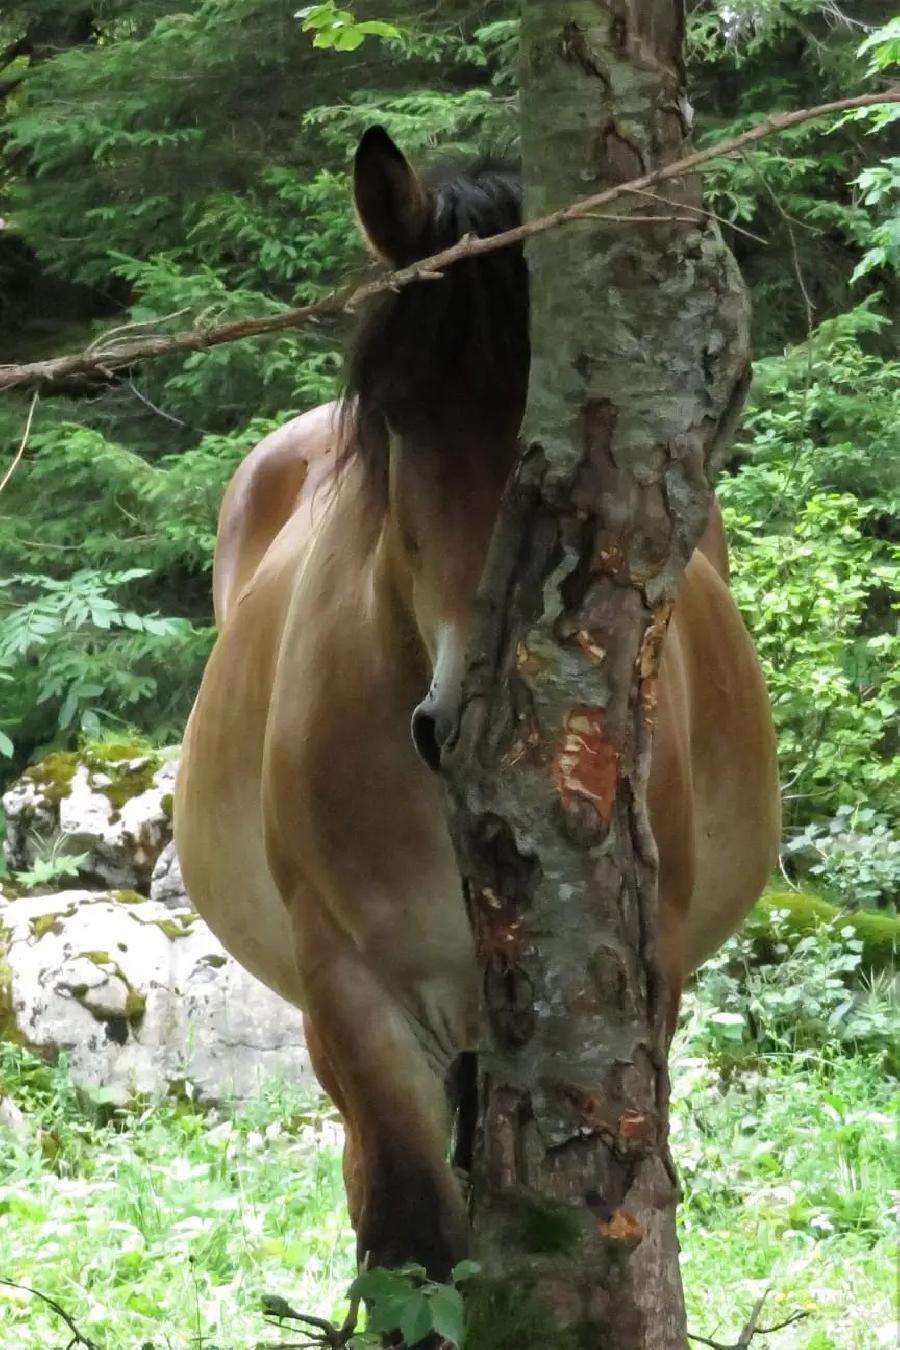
264, 492
281, 458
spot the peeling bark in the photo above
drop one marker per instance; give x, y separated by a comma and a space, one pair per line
639, 366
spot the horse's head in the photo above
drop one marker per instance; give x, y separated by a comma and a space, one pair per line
437, 378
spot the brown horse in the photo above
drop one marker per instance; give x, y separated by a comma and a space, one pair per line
309, 822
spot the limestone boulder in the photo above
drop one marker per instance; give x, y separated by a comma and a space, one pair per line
109, 806
140, 997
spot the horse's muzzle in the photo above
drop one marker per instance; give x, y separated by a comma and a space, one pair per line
433, 729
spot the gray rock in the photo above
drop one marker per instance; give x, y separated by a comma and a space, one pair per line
167, 884
141, 998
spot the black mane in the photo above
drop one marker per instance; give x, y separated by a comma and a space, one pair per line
437, 346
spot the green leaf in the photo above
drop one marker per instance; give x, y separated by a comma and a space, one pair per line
416, 1316
448, 1316
465, 1270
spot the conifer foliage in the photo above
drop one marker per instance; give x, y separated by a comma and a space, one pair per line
173, 161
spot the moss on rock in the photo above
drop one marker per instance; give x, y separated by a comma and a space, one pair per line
802, 912
129, 769
124, 896
46, 923
120, 771
8, 1030
53, 775
175, 928
135, 1004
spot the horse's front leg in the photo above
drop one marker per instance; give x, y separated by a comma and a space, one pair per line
386, 1059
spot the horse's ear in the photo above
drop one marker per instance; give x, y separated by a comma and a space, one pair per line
392, 202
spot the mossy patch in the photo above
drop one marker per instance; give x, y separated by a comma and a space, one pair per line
506, 1315
176, 927
120, 771
805, 912
129, 773
548, 1229
135, 1001
167, 802
8, 1030
46, 923
128, 897
115, 751
53, 775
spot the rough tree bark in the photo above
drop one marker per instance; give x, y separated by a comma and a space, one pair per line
638, 371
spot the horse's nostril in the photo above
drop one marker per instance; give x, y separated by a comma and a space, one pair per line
425, 739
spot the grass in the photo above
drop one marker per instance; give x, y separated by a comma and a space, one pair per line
787, 1174
164, 1227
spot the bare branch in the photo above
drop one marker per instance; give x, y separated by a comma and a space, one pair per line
101, 361
22, 444
751, 1327
77, 1337
328, 1336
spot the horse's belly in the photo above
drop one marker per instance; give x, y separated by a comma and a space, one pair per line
219, 840
218, 801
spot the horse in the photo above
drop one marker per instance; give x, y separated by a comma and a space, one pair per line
309, 817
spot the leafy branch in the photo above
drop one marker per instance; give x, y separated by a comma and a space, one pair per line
106, 355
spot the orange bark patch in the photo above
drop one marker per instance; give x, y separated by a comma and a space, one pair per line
498, 930
650, 656
585, 763
622, 1227
635, 1125
591, 649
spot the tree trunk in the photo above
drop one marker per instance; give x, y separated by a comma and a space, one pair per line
639, 365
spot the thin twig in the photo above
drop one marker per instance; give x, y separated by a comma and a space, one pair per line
102, 362
22, 444
704, 211
789, 226
77, 1337
751, 1327
102, 339
160, 412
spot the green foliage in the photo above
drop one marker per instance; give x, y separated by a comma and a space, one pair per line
786, 1177
799, 192
54, 866
802, 1001
72, 644
407, 1301
856, 856
815, 569
337, 28
168, 163
203, 150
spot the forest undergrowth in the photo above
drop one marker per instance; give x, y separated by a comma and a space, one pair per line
163, 1226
